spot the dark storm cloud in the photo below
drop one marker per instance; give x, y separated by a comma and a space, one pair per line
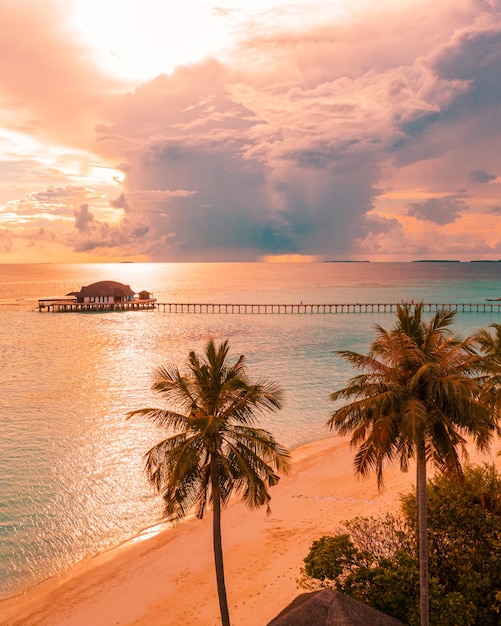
247, 186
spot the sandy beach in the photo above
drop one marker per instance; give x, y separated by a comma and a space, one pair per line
168, 578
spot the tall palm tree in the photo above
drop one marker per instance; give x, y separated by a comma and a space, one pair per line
419, 396
213, 449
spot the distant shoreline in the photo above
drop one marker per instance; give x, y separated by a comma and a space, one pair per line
417, 261
456, 261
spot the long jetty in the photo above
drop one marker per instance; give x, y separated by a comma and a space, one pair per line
64, 305
318, 309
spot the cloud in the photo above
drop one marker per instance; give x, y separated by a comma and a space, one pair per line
56, 193
51, 202
249, 181
49, 85
481, 176
94, 234
438, 210
83, 218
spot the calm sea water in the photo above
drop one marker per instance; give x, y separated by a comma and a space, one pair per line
71, 479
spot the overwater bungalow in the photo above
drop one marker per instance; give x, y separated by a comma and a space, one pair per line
105, 295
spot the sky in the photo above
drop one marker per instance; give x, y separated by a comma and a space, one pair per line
271, 130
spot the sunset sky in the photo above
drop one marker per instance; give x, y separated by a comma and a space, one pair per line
149, 130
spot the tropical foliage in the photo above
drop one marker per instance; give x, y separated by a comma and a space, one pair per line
213, 449
375, 559
420, 396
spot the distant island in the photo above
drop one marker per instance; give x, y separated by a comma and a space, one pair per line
346, 261
456, 261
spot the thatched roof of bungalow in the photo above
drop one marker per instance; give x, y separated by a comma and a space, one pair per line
104, 288
331, 608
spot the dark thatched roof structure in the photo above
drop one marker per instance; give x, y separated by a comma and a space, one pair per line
331, 608
104, 288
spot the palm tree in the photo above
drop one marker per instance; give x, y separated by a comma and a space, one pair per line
419, 396
490, 349
213, 449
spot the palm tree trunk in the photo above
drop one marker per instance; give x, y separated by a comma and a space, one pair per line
218, 550
422, 507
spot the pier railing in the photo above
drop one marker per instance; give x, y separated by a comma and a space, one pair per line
317, 309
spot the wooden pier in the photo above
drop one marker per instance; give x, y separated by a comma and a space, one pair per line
66, 305
317, 309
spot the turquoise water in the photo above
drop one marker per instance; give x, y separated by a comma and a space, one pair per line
71, 480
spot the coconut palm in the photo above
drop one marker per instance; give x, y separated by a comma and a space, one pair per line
419, 397
490, 349
214, 449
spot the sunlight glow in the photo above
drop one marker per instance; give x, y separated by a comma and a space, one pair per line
15, 145
136, 40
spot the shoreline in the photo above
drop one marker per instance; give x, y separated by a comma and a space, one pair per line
46, 584
167, 577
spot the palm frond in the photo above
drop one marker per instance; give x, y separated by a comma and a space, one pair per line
261, 446
174, 386
251, 401
161, 417
175, 468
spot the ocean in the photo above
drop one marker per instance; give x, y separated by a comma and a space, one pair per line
71, 466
